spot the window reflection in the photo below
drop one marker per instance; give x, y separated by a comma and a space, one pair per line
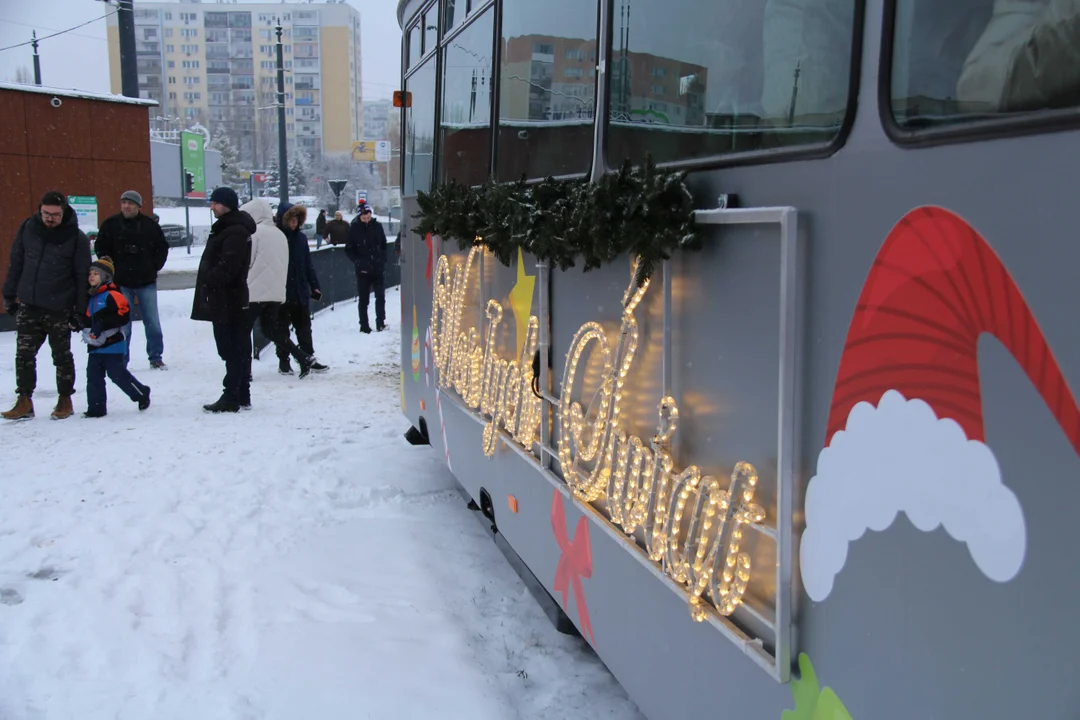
466, 109
420, 129
453, 14
547, 88
966, 60
431, 28
415, 49
733, 76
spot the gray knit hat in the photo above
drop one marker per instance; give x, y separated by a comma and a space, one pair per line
132, 196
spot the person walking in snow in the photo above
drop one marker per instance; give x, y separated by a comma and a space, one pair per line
138, 246
221, 293
102, 329
301, 286
366, 247
267, 275
320, 229
46, 291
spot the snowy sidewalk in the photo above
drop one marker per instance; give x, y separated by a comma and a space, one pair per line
297, 561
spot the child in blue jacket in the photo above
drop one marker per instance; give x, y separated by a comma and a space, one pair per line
106, 315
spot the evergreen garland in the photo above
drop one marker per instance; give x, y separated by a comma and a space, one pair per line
644, 211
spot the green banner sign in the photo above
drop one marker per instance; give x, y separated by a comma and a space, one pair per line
194, 162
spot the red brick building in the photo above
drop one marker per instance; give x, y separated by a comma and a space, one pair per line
77, 143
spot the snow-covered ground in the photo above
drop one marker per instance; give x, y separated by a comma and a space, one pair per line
300, 560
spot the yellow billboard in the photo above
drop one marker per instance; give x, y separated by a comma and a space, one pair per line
363, 151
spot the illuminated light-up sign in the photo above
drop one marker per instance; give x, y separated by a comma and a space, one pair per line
692, 525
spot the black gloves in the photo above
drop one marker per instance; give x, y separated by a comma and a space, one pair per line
316, 294
77, 322
12, 306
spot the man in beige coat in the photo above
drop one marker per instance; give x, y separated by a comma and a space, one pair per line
266, 285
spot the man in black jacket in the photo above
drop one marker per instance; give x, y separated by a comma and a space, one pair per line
46, 291
320, 229
366, 247
138, 247
221, 294
301, 286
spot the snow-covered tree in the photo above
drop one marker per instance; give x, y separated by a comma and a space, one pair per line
273, 182
299, 172
230, 158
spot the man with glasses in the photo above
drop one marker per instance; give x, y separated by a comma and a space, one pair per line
47, 292
366, 247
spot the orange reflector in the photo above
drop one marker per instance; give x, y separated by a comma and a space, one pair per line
423, 405
402, 98
512, 502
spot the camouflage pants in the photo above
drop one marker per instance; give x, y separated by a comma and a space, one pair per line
33, 326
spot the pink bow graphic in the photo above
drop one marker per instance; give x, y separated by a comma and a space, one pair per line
574, 563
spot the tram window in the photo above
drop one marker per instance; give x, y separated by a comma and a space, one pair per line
546, 115
420, 129
966, 60
431, 28
692, 79
453, 14
415, 49
466, 103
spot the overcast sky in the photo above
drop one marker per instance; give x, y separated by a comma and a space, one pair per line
80, 59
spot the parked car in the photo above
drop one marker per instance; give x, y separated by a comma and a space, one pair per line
175, 235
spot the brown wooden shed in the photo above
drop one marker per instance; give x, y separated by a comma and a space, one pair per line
78, 143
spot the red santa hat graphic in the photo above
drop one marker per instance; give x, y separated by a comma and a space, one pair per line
905, 430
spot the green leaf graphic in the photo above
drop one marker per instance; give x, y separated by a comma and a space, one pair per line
811, 701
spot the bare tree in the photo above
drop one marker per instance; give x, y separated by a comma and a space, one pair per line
23, 76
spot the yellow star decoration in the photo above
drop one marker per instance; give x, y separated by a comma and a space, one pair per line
521, 298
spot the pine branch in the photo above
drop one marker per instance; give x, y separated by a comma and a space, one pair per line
644, 211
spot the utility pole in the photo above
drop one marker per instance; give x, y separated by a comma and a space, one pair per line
129, 69
283, 166
37, 60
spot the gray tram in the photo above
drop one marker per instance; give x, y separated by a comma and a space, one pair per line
826, 467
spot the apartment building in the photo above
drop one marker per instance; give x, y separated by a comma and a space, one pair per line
376, 120
549, 78
216, 64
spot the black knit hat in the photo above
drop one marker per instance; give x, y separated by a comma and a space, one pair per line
227, 197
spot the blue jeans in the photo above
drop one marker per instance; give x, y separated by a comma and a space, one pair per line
100, 364
147, 295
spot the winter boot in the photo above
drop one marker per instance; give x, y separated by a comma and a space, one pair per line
63, 408
306, 364
144, 401
366, 329
380, 326
223, 404
94, 414
23, 409
284, 367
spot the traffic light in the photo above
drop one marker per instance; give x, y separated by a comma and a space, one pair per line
189, 182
